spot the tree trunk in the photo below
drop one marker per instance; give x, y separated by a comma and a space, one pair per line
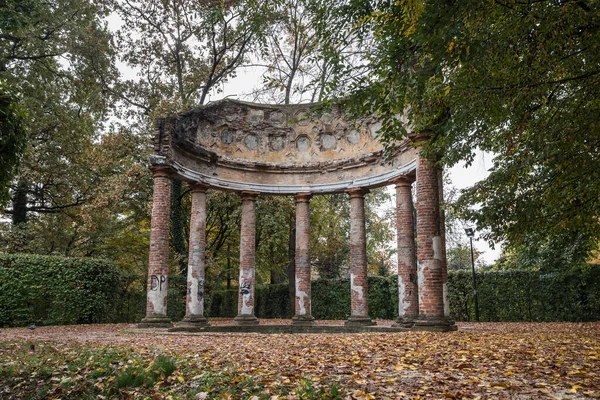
228, 266
291, 271
19, 203
177, 226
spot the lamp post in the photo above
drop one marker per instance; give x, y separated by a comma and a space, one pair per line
471, 233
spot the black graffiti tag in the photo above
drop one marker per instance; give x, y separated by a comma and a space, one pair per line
200, 288
245, 288
156, 282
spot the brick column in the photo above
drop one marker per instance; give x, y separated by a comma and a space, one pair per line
302, 303
194, 302
247, 253
358, 261
408, 300
429, 245
158, 265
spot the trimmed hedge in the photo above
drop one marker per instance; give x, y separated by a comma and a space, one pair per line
330, 300
51, 290
503, 296
527, 295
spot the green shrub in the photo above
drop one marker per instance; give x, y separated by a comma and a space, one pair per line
330, 300
503, 296
56, 290
572, 295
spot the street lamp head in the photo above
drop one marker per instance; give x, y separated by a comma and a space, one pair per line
470, 232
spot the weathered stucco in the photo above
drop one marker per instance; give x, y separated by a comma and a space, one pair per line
299, 150
278, 149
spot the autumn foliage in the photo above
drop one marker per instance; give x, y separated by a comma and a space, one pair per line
486, 360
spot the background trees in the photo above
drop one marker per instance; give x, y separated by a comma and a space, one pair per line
181, 50
50, 54
13, 139
514, 78
84, 189
518, 79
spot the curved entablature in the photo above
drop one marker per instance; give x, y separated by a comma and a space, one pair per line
278, 149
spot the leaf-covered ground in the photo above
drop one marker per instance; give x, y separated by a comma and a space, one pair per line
486, 360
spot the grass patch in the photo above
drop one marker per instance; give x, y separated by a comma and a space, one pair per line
135, 376
309, 391
57, 370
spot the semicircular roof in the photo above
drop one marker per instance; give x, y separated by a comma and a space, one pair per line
278, 149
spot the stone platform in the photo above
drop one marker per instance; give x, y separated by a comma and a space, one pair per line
271, 329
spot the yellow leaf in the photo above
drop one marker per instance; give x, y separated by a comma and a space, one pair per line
574, 388
180, 379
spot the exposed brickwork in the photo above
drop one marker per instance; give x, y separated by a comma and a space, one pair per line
247, 264
252, 149
359, 303
429, 240
302, 303
158, 266
408, 300
196, 258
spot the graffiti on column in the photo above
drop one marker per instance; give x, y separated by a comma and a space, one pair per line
157, 295
246, 292
245, 287
300, 296
200, 288
196, 256
304, 263
157, 282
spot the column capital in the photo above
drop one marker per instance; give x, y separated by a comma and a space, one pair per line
248, 195
357, 192
162, 171
199, 187
303, 197
403, 180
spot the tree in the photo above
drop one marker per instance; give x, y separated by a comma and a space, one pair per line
181, 51
222, 239
516, 78
330, 233
49, 57
273, 238
116, 208
12, 139
291, 57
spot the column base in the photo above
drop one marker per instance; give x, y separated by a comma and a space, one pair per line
192, 321
359, 321
405, 322
242, 320
303, 320
434, 324
155, 322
